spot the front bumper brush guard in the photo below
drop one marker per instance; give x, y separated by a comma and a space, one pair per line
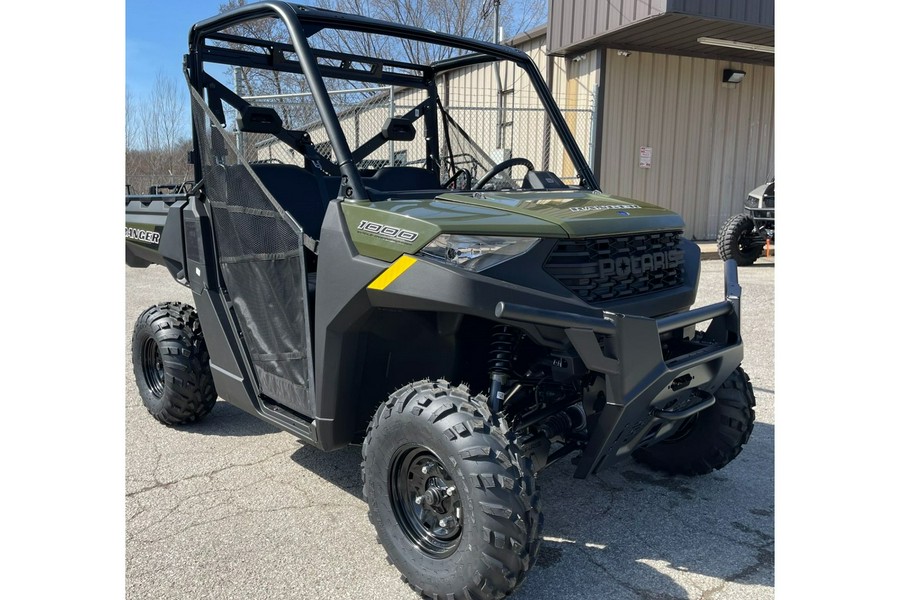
646, 393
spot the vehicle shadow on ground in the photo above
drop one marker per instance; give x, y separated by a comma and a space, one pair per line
229, 421
340, 467
630, 532
627, 532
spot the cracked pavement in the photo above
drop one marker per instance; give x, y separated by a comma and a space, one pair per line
232, 508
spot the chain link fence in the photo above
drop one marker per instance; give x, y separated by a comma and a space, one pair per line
481, 129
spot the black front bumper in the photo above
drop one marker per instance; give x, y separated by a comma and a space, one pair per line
647, 394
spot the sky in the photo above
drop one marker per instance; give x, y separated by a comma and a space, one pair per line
156, 34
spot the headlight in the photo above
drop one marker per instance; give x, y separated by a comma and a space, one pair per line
476, 253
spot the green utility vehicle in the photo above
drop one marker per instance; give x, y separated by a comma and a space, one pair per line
397, 255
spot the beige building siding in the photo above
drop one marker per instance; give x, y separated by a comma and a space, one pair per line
573, 80
712, 142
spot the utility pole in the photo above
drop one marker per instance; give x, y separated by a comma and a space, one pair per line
496, 21
499, 140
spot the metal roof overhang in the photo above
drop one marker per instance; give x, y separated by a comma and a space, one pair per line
675, 33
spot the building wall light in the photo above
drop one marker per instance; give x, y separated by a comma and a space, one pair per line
733, 76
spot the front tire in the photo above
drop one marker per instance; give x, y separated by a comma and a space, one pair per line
711, 439
477, 540
737, 240
171, 364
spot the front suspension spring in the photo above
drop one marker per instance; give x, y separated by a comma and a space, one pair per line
501, 350
500, 356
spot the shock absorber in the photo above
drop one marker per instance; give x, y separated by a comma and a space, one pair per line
500, 363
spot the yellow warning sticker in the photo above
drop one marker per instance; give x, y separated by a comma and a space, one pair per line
394, 271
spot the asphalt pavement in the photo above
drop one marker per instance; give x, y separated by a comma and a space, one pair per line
232, 508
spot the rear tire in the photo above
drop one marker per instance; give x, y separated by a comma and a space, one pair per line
426, 438
171, 364
737, 240
711, 439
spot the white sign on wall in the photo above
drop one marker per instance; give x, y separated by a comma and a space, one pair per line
646, 155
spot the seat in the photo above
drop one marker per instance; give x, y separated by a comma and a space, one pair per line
300, 192
304, 196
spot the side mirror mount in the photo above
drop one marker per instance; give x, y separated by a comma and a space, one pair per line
398, 130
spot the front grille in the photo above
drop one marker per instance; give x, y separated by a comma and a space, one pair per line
602, 269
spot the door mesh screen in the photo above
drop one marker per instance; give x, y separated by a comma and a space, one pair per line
261, 259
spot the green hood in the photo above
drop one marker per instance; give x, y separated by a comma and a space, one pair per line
578, 213
390, 228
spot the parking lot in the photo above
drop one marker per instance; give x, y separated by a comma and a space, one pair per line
233, 508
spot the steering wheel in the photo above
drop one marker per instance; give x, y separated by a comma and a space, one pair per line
461, 180
500, 167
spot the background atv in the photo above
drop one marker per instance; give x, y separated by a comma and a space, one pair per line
367, 269
743, 237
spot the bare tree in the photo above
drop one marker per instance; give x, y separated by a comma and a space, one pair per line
131, 135
464, 18
130, 121
263, 81
156, 140
162, 116
467, 18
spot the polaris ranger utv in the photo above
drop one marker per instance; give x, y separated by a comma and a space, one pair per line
368, 268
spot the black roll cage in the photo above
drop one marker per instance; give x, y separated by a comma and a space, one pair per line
304, 21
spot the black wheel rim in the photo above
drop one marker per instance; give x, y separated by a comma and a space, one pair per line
425, 501
745, 242
152, 366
